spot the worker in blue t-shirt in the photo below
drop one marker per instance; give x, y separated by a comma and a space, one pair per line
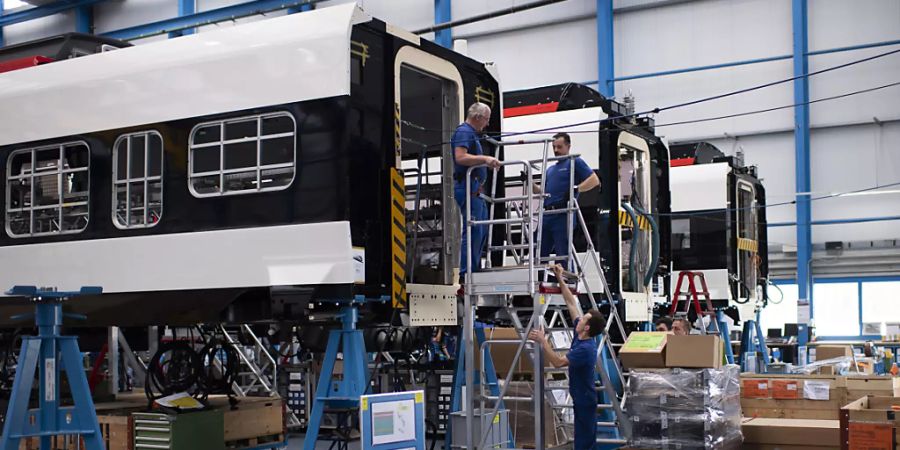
467, 152
559, 185
581, 360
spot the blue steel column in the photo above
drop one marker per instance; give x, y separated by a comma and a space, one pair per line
1, 28
185, 8
84, 19
605, 49
801, 155
442, 14
301, 8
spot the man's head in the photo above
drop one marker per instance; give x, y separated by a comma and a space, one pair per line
478, 116
562, 143
681, 327
664, 324
591, 324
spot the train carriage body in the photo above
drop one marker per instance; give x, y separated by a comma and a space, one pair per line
236, 175
633, 166
719, 225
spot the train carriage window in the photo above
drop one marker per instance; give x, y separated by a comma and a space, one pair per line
137, 180
243, 155
48, 190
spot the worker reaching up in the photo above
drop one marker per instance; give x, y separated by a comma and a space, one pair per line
581, 360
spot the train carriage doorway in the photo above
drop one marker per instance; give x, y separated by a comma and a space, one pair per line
430, 97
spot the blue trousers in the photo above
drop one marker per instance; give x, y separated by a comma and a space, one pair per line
585, 425
555, 237
479, 232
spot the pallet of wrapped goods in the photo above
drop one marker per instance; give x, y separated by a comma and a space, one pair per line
795, 396
689, 409
791, 434
871, 423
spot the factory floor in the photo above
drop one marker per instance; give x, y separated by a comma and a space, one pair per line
295, 442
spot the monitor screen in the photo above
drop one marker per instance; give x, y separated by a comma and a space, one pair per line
791, 329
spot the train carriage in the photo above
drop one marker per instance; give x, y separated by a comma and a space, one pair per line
240, 174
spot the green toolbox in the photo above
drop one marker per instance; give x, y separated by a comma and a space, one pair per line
201, 430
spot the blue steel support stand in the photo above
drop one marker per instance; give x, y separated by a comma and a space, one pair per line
607, 414
301, 8
84, 19
50, 354
802, 164
2, 43
753, 341
344, 393
605, 49
459, 378
725, 333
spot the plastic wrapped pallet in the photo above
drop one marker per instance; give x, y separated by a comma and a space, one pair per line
685, 408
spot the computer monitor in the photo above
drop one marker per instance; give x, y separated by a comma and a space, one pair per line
774, 333
791, 329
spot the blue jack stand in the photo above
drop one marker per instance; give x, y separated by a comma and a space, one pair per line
753, 341
344, 393
50, 353
725, 333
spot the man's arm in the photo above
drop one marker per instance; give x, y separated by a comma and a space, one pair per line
463, 158
568, 296
590, 183
556, 360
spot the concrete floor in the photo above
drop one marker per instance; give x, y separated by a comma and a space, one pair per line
295, 442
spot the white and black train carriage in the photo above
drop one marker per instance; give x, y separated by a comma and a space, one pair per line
633, 166
236, 175
719, 226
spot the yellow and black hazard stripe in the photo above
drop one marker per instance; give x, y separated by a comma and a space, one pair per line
748, 245
398, 148
625, 220
398, 240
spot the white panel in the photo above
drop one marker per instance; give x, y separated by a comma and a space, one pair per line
39, 28
312, 254
407, 14
839, 23
716, 281
858, 108
699, 187
111, 16
286, 59
670, 90
535, 57
585, 144
562, 12
700, 33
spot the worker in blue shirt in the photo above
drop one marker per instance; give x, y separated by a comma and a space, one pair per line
558, 178
467, 152
581, 361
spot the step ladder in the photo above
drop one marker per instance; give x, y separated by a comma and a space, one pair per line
691, 297
524, 273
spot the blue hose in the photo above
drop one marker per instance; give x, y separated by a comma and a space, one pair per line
635, 232
654, 248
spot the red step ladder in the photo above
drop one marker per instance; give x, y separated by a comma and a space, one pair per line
692, 297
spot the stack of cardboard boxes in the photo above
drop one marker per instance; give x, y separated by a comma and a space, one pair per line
871, 423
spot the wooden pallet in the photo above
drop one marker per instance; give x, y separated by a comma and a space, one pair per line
115, 429
254, 442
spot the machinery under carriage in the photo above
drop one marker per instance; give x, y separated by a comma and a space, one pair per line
719, 226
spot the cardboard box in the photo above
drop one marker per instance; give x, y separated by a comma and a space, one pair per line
804, 432
859, 386
502, 354
824, 352
870, 423
644, 350
792, 396
694, 351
